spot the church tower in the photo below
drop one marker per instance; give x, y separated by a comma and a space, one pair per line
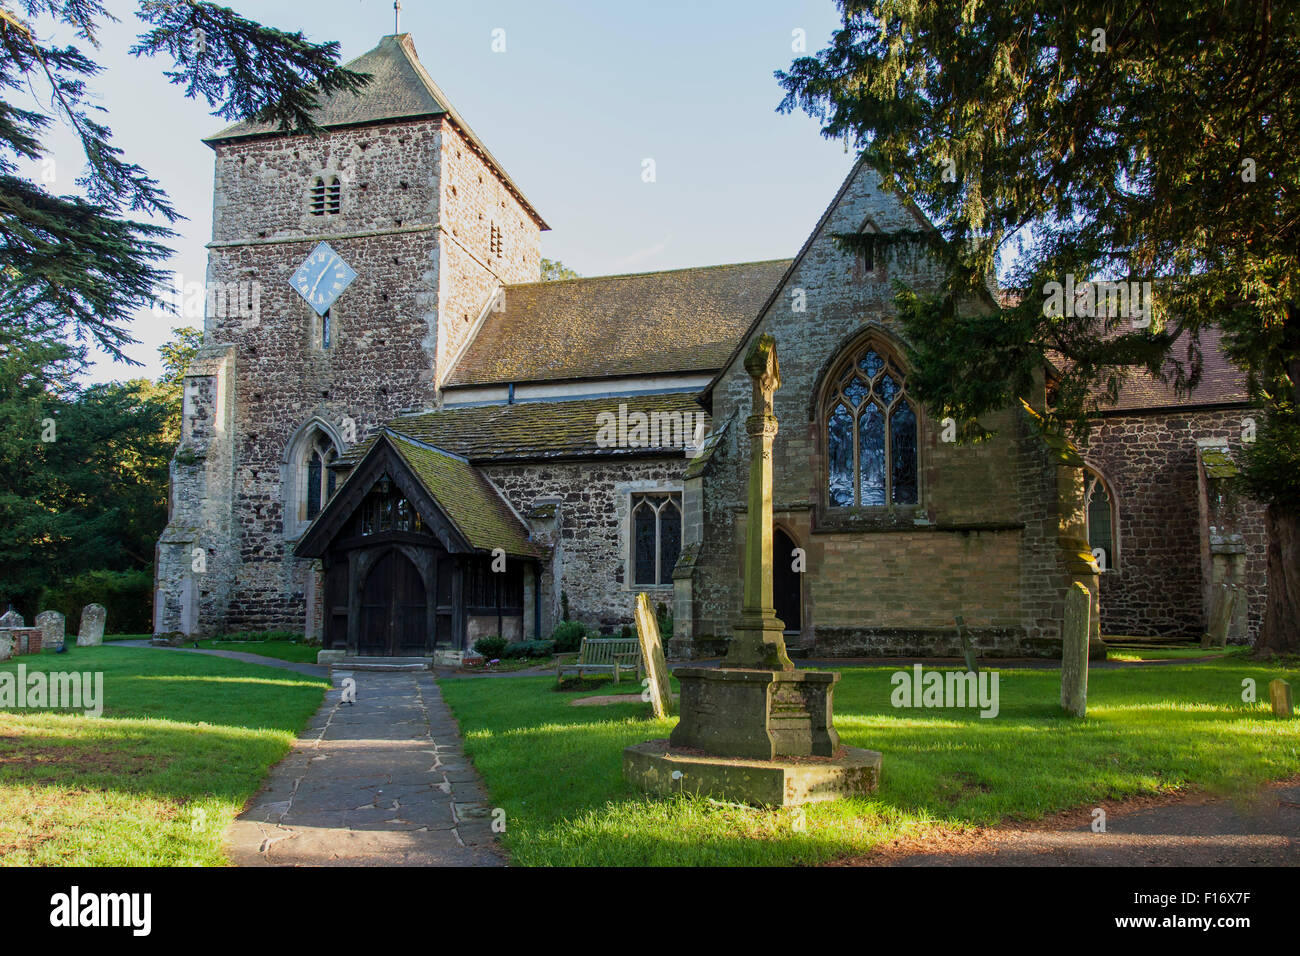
345, 273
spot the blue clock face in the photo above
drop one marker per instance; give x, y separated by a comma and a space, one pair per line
322, 278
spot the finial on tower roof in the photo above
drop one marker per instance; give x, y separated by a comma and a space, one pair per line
397, 17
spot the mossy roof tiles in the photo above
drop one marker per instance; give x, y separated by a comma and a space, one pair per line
685, 320
466, 497
533, 430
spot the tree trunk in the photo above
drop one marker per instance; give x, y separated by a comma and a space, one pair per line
1280, 633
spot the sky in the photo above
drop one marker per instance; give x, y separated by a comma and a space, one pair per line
583, 93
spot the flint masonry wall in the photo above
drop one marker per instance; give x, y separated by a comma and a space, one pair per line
1150, 461
877, 583
386, 332
592, 541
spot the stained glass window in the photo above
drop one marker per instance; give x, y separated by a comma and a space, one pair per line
871, 434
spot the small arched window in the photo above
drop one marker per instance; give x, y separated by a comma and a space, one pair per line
1101, 519
656, 538
869, 424
320, 479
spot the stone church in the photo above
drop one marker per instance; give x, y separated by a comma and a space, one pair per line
412, 441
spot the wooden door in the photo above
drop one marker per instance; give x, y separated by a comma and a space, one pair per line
393, 609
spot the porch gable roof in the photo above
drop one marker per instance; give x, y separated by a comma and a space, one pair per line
459, 504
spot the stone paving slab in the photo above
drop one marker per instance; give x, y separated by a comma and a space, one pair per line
382, 782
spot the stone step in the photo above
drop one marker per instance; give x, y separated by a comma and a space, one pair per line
382, 663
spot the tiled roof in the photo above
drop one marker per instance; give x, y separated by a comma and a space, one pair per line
531, 430
467, 498
1222, 383
399, 88
686, 320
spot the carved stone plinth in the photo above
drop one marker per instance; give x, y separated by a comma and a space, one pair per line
761, 714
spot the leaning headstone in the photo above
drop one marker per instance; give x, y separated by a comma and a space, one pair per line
1279, 694
52, 628
1074, 651
92, 626
652, 652
12, 618
1223, 607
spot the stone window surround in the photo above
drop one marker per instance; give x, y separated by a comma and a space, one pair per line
327, 175
292, 468
623, 494
1090, 470
869, 517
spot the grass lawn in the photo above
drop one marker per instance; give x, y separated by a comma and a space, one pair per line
283, 650
557, 769
1172, 653
183, 741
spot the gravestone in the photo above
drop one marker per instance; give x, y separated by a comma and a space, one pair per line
1279, 695
1223, 609
92, 626
53, 630
12, 618
652, 652
1074, 651
6, 645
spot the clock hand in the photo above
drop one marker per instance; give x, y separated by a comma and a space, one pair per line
318, 280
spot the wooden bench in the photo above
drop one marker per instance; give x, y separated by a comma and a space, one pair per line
613, 654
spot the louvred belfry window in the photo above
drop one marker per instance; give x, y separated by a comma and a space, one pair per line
869, 424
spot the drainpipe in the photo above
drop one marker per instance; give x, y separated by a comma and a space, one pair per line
510, 394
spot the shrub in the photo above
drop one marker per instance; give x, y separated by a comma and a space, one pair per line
664, 618
491, 647
127, 596
627, 631
530, 649
568, 636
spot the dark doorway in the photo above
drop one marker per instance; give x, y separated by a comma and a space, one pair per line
393, 609
787, 588
336, 604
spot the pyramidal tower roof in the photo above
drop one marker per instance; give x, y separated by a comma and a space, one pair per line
399, 88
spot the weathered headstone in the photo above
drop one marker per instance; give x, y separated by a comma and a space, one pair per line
53, 629
1279, 695
6, 645
1223, 609
1074, 651
12, 618
92, 625
652, 652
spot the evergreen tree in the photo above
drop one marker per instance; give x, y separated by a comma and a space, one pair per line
1103, 140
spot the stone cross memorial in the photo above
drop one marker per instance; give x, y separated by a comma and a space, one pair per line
91, 633
749, 728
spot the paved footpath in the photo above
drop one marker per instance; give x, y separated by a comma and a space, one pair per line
1181, 830
382, 782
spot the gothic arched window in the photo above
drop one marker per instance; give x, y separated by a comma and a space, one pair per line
1101, 519
656, 537
869, 424
319, 480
